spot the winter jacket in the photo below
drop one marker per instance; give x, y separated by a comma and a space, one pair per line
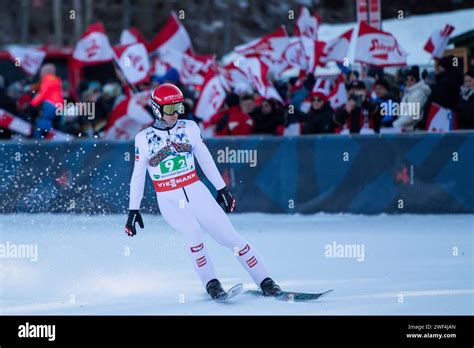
50, 91
232, 121
465, 111
320, 121
268, 123
417, 95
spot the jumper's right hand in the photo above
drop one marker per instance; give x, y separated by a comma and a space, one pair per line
133, 217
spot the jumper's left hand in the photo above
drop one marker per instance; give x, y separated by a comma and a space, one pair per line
226, 198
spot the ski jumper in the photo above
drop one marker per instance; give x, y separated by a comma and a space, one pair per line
185, 202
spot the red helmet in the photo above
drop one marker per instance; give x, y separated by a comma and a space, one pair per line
167, 99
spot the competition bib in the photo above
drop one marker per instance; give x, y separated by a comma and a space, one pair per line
171, 160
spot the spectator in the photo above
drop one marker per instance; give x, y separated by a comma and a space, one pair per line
358, 112
105, 103
320, 118
50, 98
416, 93
248, 104
383, 103
232, 120
466, 104
300, 94
269, 118
445, 91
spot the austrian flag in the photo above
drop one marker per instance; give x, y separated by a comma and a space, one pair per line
272, 45
379, 48
438, 40
212, 96
172, 36
94, 46
29, 59
133, 62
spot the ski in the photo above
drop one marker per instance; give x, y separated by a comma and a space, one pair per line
231, 293
293, 296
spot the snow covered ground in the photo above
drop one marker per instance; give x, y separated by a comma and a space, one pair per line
411, 264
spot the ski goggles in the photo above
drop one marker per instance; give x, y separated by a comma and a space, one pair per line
170, 109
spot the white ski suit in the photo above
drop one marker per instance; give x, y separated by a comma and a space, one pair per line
185, 202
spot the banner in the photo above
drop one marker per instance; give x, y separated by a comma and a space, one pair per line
95, 175
378, 48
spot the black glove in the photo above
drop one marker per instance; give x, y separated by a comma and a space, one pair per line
224, 196
133, 217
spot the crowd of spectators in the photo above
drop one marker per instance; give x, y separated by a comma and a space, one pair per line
247, 113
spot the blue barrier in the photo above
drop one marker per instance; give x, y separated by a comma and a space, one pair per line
370, 174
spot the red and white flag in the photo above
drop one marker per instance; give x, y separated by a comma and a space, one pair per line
257, 72
438, 41
306, 29
338, 94
132, 35
322, 86
212, 96
159, 67
133, 62
172, 36
440, 119
14, 123
29, 59
18, 125
333, 90
272, 45
129, 116
307, 25
191, 67
378, 48
94, 46
235, 78
336, 49
295, 55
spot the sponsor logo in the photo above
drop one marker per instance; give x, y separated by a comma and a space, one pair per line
252, 261
174, 183
201, 261
197, 248
137, 154
245, 250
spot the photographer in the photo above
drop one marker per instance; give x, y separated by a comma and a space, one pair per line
357, 115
